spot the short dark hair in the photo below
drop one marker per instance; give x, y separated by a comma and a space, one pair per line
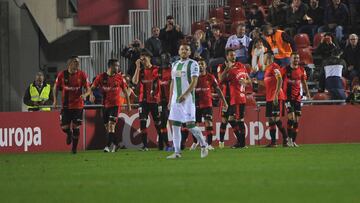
112, 62
228, 51
169, 17
294, 53
145, 52
198, 59
74, 57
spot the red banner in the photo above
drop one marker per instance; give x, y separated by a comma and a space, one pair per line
41, 132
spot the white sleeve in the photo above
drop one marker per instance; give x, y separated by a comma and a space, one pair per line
172, 72
194, 69
229, 41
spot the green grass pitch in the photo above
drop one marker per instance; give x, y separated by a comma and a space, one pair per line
311, 173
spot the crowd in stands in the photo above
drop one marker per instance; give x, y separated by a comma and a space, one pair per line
323, 32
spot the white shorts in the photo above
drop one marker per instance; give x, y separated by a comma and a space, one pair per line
182, 112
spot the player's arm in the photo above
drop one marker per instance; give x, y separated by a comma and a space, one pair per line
245, 81
194, 80
55, 93
224, 74
219, 92
306, 88
278, 85
127, 95
170, 93
135, 78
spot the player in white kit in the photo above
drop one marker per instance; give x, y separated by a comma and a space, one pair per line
184, 76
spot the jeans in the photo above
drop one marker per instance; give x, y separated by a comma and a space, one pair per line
336, 88
339, 31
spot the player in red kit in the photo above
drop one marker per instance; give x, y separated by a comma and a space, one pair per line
204, 101
295, 79
73, 83
165, 79
147, 77
273, 79
236, 78
111, 83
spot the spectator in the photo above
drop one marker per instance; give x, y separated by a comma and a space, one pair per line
257, 35
326, 46
336, 17
277, 13
198, 46
295, 16
257, 62
352, 57
354, 8
315, 18
217, 49
331, 75
38, 93
132, 52
153, 45
255, 17
170, 37
240, 43
281, 44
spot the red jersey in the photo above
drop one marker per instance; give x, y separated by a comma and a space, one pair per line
270, 81
203, 90
237, 90
111, 87
292, 82
165, 80
148, 79
72, 86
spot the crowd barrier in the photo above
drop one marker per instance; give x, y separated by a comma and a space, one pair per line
41, 132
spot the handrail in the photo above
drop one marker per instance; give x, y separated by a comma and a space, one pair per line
258, 103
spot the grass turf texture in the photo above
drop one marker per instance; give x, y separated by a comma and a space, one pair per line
311, 173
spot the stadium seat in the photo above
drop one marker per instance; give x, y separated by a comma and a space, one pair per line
322, 96
237, 14
198, 26
235, 3
305, 56
217, 13
302, 40
317, 39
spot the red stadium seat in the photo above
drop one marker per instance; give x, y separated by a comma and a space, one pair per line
198, 26
305, 56
235, 3
317, 39
217, 13
258, 2
237, 14
302, 40
322, 96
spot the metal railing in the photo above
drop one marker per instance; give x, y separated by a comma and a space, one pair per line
140, 24
86, 66
101, 52
120, 37
185, 12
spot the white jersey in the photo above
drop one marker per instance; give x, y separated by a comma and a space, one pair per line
181, 74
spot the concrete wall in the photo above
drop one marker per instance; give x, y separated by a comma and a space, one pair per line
27, 51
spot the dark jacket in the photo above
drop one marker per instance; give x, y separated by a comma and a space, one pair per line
217, 48
170, 40
317, 15
295, 19
339, 16
352, 56
132, 54
277, 16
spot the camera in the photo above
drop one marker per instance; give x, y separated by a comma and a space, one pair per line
136, 45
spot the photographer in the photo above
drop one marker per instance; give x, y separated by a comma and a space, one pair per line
170, 37
132, 52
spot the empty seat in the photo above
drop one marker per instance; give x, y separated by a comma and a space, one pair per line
198, 26
217, 13
237, 14
302, 40
317, 39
